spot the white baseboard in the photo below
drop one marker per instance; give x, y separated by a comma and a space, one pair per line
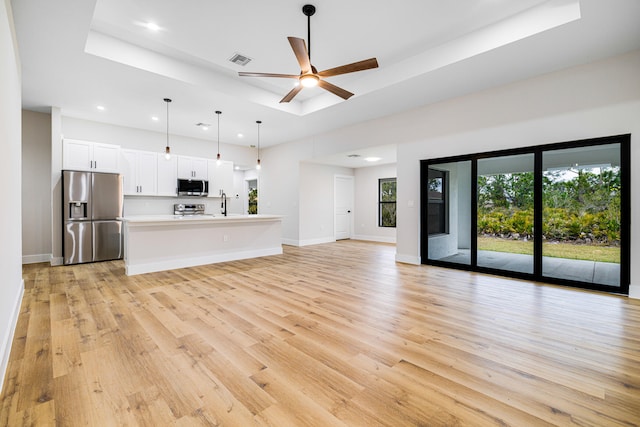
34, 259
55, 261
381, 239
634, 291
408, 259
318, 241
5, 346
290, 242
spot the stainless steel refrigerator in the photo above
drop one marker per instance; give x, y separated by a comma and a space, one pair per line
92, 228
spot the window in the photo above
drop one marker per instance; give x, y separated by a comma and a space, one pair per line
437, 209
387, 202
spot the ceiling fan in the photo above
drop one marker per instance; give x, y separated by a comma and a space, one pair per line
309, 75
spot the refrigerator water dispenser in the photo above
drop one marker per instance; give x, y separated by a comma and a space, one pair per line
78, 210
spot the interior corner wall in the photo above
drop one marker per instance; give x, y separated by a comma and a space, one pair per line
317, 213
278, 186
593, 100
366, 204
36, 194
11, 285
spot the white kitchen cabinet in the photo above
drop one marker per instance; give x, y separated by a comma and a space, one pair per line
167, 176
192, 167
220, 178
140, 172
90, 156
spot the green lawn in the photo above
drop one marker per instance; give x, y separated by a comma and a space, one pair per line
556, 250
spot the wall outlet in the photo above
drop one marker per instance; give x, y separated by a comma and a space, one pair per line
225, 238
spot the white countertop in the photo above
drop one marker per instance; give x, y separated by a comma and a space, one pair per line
207, 218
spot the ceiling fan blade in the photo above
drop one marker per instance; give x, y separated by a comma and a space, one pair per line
288, 97
344, 94
302, 55
366, 64
286, 76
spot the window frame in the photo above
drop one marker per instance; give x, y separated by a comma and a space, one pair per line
441, 203
382, 203
624, 140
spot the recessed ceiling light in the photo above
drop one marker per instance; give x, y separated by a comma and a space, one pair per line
154, 118
152, 26
372, 159
100, 107
205, 128
240, 135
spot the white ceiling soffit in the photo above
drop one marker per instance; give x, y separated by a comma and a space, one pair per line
428, 50
176, 61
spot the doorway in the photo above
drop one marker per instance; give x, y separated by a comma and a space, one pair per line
252, 196
343, 207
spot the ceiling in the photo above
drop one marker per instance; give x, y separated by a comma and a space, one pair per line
81, 54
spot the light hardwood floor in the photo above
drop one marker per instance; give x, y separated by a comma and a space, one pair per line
326, 335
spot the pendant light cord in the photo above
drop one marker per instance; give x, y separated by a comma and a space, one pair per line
218, 114
167, 148
258, 166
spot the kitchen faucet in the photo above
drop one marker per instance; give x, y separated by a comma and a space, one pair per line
223, 204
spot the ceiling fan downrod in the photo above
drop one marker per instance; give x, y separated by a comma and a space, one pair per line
309, 10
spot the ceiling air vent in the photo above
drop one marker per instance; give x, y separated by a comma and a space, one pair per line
353, 155
240, 59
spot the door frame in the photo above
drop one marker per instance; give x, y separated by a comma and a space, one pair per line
336, 180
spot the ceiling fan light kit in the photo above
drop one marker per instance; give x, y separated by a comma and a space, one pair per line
309, 80
309, 75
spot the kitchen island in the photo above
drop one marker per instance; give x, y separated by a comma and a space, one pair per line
166, 242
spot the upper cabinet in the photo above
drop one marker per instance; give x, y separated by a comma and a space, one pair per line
220, 178
192, 167
140, 171
167, 176
90, 156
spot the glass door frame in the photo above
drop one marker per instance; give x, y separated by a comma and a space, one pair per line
625, 220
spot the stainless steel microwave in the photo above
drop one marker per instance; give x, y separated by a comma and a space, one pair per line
193, 187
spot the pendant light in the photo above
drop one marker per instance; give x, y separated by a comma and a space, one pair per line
167, 149
258, 162
218, 161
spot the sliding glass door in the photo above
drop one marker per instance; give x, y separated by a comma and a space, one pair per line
505, 213
557, 213
447, 190
581, 214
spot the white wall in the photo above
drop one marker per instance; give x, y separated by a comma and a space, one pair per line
317, 202
366, 204
11, 285
36, 195
278, 186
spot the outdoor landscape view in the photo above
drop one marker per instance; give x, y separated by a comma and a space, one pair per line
581, 213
